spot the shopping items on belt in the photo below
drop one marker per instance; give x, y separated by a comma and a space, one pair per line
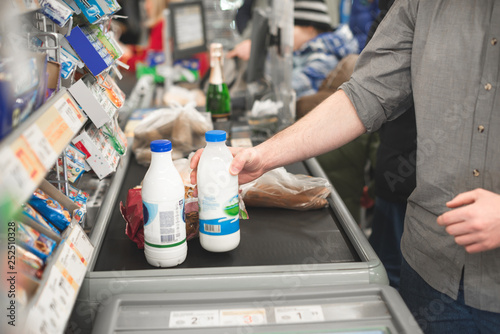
281, 189
184, 126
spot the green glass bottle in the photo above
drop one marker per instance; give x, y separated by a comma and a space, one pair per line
218, 101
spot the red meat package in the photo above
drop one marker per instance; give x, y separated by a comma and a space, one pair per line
132, 213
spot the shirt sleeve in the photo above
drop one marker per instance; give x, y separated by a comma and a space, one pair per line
380, 87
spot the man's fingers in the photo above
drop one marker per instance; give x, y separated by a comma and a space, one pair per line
458, 229
195, 159
452, 217
463, 199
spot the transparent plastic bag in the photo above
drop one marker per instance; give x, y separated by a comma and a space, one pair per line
281, 189
184, 126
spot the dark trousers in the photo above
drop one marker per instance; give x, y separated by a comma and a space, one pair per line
437, 313
387, 229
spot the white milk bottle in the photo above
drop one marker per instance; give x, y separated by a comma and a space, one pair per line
163, 208
217, 196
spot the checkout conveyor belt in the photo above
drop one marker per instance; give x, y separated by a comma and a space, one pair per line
279, 249
269, 237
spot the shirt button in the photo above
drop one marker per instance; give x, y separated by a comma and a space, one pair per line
475, 172
487, 86
494, 41
480, 129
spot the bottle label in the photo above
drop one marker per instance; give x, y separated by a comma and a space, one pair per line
218, 218
164, 224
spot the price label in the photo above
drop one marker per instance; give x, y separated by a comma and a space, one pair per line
40, 146
70, 113
81, 244
28, 159
295, 314
243, 317
54, 305
16, 180
204, 318
71, 266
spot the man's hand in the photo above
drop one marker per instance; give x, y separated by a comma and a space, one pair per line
241, 50
247, 164
474, 220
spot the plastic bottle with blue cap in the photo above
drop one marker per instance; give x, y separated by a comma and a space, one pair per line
217, 196
163, 209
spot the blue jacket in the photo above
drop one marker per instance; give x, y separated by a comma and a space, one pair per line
316, 58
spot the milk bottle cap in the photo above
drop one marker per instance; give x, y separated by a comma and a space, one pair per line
215, 136
161, 145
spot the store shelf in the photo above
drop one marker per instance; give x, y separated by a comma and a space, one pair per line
49, 309
32, 148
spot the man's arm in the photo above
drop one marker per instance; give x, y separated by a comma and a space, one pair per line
474, 220
330, 125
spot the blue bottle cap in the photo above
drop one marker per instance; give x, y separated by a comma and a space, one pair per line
215, 136
161, 145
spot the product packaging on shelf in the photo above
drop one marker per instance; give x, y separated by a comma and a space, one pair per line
35, 242
90, 50
100, 154
75, 163
77, 213
31, 213
96, 9
29, 263
56, 11
90, 96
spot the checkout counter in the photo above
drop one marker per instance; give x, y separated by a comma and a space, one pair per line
306, 261
293, 272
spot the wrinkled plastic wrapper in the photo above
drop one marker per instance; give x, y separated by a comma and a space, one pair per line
132, 213
184, 126
280, 189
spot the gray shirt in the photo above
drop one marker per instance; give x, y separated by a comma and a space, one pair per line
443, 56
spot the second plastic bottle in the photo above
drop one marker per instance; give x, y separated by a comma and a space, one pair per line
163, 208
217, 196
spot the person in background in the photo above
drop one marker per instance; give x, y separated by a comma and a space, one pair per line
441, 57
317, 49
134, 54
350, 167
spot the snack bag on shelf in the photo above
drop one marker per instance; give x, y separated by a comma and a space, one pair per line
75, 163
35, 216
35, 242
29, 263
78, 196
50, 209
113, 92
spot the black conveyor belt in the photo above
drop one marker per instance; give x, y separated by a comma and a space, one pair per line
270, 237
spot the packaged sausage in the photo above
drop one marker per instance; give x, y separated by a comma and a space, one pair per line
35, 242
